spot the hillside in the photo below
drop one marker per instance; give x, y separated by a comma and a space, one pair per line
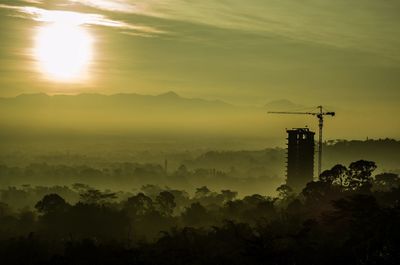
124, 114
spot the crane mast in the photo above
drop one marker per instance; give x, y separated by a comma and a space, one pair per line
320, 115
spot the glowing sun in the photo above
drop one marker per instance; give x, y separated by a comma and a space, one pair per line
63, 51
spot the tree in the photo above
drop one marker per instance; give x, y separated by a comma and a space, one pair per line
151, 190
284, 191
51, 204
387, 181
228, 195
79, 187
94, 196
195, 215
316, 192
166, 203
182, 200
254, 199
139, 204
359, 175
337, 175
202, 192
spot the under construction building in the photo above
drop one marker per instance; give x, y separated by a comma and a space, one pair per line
300, 158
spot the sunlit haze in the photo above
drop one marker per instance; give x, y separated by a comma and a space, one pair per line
63, 51
199, 132
257, 56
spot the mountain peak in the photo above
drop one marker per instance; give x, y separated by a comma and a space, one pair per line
282, 104
169, 94
32, 95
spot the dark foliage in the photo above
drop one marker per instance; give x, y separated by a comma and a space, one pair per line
348, 216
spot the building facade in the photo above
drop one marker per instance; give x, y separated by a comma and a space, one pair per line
300, 158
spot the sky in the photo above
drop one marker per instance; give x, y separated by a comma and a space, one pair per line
344, 53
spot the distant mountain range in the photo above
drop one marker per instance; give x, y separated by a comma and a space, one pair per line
170, 99
128, 113
131, 115
133, 99
282, 105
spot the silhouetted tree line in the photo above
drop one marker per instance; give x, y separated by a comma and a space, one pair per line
130, 174
383, 151
348, 216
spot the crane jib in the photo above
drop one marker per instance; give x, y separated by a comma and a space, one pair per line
320, 115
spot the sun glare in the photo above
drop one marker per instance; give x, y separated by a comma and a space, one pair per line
63, 51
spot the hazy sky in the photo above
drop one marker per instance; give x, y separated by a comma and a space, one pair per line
341, 53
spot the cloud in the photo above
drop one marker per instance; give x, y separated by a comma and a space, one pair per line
33, 1
116, 5
76, 18
361, 25
373, 28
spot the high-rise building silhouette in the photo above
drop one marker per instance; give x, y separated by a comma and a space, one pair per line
300, 158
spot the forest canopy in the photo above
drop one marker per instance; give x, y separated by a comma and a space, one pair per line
350, 215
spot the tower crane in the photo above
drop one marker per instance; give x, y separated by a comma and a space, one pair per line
320, 115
